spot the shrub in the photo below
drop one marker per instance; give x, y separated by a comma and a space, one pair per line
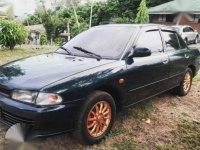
11, 34
43, 39
59, 41
122, 20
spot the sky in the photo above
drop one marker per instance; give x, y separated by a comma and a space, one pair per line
24, 7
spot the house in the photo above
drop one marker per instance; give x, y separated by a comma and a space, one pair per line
35, 32
177, 12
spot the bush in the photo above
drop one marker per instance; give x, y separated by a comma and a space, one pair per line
43, 39
59, 41
122, 20
11, 34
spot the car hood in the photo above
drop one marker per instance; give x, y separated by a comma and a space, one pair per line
36, 72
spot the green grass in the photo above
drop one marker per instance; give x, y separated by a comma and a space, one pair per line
189, 135
21, 52
167, 147
140, 111
197, 78
118, 130
186, 137
127, 143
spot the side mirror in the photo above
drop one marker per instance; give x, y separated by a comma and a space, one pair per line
141, 52
137, 52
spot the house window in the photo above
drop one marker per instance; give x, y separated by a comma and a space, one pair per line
162, 18
196, 18
170, 18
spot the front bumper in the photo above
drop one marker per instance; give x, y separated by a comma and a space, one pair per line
45, 121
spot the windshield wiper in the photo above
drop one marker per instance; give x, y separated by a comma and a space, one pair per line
88, 52
66, 50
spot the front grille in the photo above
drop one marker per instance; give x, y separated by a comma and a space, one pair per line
13, 119
5, 91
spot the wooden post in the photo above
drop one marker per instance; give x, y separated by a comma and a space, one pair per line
91, 13
68, 31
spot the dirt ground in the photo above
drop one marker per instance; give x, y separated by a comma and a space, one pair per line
151, 125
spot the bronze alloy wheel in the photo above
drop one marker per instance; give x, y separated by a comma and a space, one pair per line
187, 82
99, 119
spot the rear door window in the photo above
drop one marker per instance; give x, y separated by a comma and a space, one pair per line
185, 30
182, 43
171, 40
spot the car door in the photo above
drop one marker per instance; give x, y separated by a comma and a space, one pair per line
178, 54
146, 76
187, 34
192, 34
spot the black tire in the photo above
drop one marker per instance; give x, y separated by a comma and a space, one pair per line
180, 89
196, 40
82, 133
186, 41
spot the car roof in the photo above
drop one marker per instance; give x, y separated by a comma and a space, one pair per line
138, 26
181, 26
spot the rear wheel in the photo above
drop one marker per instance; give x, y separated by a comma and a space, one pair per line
196, 40
186, 41
96, 118
184, 88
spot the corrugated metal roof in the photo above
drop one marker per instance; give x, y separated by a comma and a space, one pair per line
36, 28
191, 6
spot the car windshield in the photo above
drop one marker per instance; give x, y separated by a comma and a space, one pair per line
107, 42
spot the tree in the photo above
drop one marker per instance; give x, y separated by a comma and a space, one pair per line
71, 16
49, 19
11, 34
142, 15
43, 39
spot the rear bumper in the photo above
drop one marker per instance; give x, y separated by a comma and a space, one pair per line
44, 121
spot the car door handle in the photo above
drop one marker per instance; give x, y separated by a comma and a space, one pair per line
187, 56
165, 61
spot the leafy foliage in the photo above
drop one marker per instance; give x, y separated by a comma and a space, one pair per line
59, 41
11, 34
43, 39
56, 20
122, 20
142, 15
32, 20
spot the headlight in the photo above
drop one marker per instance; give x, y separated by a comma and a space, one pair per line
24, 96
36, 98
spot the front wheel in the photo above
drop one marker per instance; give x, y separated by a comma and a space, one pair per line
184, 88
96, 118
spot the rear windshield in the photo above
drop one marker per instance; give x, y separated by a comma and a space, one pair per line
177, 29
108, 42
